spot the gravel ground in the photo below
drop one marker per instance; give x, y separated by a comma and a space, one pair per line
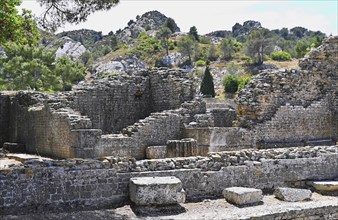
206, 209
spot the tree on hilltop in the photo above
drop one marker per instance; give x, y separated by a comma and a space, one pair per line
186, 46
259, 43
164, 35
171, 24
193, 32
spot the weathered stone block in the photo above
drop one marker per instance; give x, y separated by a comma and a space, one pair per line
324, 185
182, 148
292, 195
156, 152
148, 191
242, 195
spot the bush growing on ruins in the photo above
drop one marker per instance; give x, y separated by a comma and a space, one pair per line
242, 82
280, 56
207, 85
230, 83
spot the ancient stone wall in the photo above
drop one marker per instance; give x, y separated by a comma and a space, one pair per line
4, 118
41, 184
271, 89
71, 124
293, 107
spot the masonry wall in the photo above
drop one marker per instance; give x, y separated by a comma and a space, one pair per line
113, 104
47, 131
296, 125
4, 118
96, 184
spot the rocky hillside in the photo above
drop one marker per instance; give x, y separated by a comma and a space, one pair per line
151, 22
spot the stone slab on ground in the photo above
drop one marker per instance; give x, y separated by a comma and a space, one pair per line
156, 152
243, 195
14, 147
324, 185
5, 163
292, 194
149, 191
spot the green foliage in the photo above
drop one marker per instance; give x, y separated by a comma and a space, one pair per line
193, 32
227, 48
58, 12
164, 35
204, 40
86, 37
20, 29
207, 84
147, 46
230, 83
242, 82
171, 24
69, 71
108, 75
302, 47
212, 53
259, 43
26, 67
148, 27
280, 56
200, 63
187, 47
87, 59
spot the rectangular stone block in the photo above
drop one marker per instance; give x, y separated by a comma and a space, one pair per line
182, 148
156, 152
292, 195
242, 195
149, 191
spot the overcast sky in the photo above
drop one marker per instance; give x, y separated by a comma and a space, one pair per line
209, 16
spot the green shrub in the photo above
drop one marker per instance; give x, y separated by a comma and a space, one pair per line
230, 83
200, 63
280, 56
242, 82
246, 59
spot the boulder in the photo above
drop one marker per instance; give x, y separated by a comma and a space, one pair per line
292, 195
243, 195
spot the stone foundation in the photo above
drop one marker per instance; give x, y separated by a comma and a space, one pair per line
78, 183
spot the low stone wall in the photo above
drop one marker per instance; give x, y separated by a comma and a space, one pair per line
77, 183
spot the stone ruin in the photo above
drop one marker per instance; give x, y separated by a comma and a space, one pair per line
281, 132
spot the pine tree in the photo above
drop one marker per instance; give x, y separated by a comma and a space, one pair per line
207, 85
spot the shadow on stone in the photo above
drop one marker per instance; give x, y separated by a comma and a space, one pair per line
249, 205
154, 211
